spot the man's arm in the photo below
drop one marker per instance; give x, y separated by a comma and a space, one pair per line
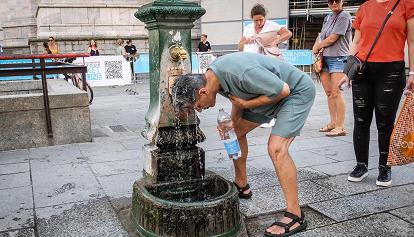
260, 100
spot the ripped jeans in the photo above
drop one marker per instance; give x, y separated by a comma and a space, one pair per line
380, 89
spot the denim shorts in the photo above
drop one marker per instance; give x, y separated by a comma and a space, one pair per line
333, 64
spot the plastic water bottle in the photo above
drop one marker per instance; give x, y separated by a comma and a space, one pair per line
231, 144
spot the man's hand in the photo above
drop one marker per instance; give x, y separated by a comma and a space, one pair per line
410, 84
239, 103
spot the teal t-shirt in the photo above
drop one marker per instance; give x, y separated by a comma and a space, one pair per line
249, 75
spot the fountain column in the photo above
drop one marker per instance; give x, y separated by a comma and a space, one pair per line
169, 26
177, 197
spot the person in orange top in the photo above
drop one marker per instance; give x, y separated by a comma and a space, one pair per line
52, 45
384, 79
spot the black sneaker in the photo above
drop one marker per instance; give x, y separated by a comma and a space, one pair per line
384, 176
359, 173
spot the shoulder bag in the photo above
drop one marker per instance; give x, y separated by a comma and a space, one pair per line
354, 67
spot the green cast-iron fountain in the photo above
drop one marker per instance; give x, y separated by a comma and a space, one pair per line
177, 197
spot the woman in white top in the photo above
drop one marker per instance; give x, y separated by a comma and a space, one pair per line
260, 25
252, 41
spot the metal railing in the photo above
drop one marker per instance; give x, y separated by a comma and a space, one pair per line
43, 68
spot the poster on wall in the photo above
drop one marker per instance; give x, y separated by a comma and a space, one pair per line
107, 70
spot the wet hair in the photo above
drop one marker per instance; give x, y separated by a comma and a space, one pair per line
185, 89
258, 9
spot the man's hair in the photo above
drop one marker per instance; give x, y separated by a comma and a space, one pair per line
204, 35
258, 9
185, 89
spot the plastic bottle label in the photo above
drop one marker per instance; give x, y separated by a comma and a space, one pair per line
232, 146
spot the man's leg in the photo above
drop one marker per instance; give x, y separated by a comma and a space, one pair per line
278, 148
242, 128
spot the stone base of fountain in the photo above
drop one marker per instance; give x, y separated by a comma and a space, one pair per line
197, 207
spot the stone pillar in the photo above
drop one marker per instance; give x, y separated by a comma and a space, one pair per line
172, 153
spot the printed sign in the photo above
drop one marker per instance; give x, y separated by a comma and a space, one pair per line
298, 57
107, 70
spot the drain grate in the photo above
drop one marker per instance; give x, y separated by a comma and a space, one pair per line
118, 128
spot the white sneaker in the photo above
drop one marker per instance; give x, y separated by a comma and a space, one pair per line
268, 125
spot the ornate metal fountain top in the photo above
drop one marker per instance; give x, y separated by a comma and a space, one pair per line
169, 10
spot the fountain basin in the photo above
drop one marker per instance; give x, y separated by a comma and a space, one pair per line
197, 207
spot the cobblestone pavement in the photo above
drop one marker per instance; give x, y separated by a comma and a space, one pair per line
84, 189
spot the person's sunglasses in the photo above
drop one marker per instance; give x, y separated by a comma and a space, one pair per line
331, 2
50, 40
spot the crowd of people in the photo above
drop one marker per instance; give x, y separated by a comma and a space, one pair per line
129, 50
262, 87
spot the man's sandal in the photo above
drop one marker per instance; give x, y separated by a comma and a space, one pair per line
288, 232
241, 190
327, 128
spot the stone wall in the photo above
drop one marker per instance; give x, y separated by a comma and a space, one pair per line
25, 24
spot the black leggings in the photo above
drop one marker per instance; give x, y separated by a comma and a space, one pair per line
380, 89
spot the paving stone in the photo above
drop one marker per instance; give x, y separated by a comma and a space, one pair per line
19, 233
114, 156
271, 199
117, 167
380, 225
117, 186
134, 144
92, 218
257, 225
14, 180
97, 132
16, 209
269, 178
16, 156
118, 128
94, 149
307, 159
340, 183
367, 203
312, 143
59, 184
338, 168
339, 153
14, 168
405, 213
64, 154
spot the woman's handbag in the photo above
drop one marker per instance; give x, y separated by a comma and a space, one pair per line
318, 64
268, 43
402, 138
354, 67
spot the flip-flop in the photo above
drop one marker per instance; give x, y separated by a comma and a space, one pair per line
336, 132
327, 128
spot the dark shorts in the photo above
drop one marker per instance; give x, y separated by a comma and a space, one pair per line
291, 115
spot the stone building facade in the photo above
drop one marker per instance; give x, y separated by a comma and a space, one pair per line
26, 24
